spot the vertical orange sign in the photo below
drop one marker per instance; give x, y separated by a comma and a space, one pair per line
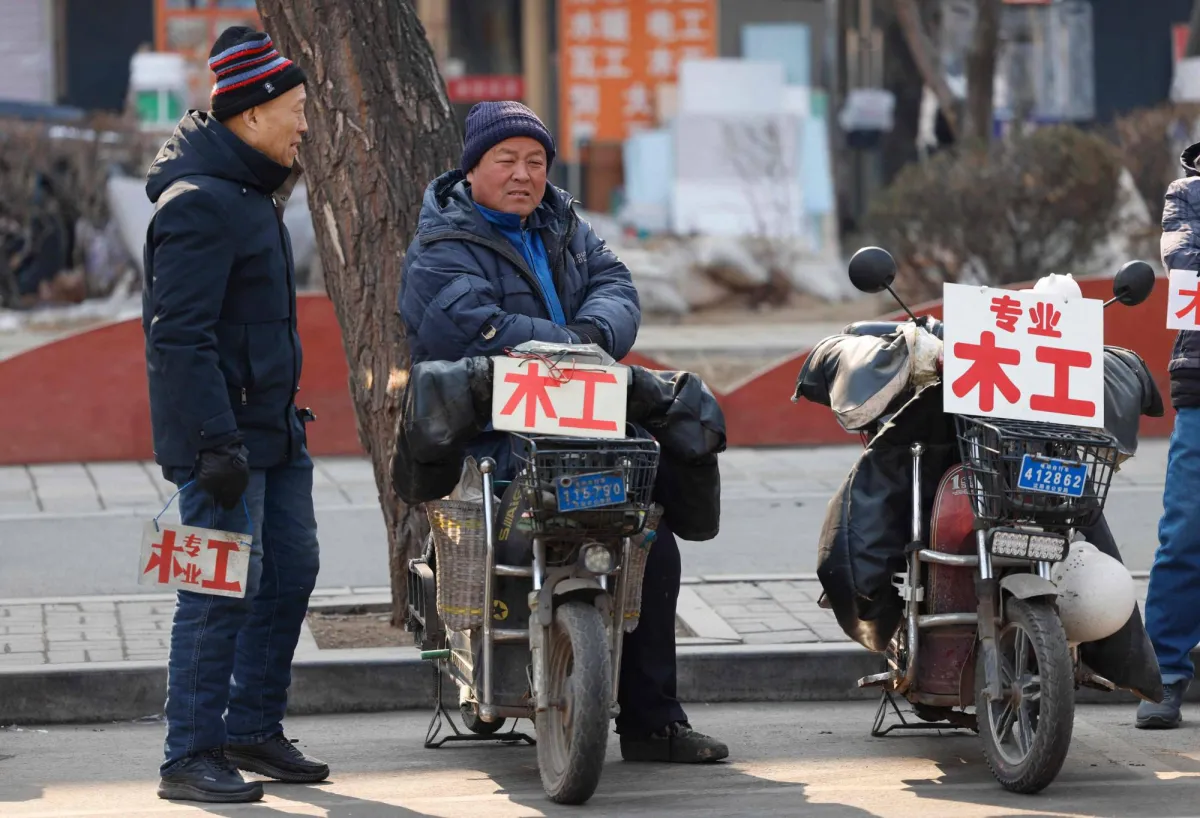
613, 56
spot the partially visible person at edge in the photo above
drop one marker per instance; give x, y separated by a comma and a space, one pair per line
223, 359
501, 258
1172, 615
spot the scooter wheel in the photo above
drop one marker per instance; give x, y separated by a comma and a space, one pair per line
572, 736
1026, 733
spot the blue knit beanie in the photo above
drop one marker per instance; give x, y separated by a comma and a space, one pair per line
490, 123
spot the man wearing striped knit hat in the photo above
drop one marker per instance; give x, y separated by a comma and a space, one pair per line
223, 363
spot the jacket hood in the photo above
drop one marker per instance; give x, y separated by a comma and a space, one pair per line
1188, 159
202, 146
447, 205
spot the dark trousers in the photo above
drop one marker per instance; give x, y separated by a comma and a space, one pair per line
648, 680
231, 659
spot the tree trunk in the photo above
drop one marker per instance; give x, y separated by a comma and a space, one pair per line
924, 54
380, 128
981, 72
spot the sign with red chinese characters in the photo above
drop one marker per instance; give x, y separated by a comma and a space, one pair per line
614, 55
486, 87
535, 396
195, 559
1023, 355
1183, 300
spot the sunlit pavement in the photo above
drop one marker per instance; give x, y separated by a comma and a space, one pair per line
787, 760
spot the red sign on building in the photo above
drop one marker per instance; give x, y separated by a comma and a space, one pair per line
486, 87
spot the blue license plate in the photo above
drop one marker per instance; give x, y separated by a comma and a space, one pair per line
1049, 476
586, 491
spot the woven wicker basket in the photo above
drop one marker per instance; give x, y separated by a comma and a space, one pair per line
639, 552
460, 541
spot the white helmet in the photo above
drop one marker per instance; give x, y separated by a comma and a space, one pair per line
1095, 593
1057, 284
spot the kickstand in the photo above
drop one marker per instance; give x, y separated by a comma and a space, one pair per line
881, 715
441, 715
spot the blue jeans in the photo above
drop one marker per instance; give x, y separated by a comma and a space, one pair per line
1172, 614
231, 659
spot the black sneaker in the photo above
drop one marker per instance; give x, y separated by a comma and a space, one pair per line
1166, 715
278, 758
208, 777
676, 743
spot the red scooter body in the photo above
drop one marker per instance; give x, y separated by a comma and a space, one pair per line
946, 672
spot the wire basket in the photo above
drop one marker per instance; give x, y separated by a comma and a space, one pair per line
460, 543
548, 463
635, 571
993, 451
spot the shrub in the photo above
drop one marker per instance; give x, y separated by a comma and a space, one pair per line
1029, 205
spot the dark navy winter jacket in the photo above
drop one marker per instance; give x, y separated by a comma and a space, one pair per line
466, 290
1181, 251
219, 300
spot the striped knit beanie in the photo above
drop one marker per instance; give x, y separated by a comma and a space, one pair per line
249, 71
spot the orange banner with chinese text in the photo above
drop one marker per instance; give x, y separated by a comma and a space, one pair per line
614, 55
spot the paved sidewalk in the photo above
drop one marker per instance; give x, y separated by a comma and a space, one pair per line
93, 630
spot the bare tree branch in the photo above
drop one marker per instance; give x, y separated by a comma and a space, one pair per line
924, 54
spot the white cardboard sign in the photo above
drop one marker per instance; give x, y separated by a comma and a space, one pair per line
532, 396
194, 559
1183, 300
1023, 355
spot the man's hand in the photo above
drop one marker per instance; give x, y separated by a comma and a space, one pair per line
589, 333
224, 472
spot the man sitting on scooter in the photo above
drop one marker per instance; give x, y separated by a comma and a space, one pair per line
499, 259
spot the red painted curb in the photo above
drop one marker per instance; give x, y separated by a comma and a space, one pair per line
84, 398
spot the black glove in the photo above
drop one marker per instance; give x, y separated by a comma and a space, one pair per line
589, 334
224, 472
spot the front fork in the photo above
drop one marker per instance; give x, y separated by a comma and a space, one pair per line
541, 617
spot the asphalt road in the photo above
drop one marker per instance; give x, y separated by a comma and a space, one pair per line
97, 553
772, 510
787, 760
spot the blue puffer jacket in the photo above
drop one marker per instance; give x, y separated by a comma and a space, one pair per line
1181, 251
219, 300
466, 290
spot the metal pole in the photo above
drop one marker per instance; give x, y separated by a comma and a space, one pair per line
486, 468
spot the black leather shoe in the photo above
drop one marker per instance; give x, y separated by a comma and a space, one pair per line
208, 777
278, 758
676, 743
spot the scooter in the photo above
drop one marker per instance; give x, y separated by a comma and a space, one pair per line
981, 642
523, 595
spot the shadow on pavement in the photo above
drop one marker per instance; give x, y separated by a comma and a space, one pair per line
1089, 784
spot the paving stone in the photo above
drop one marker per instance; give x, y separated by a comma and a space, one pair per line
30, 646
782, 623
20, 629
749, 626
764, 608
781, 637
105, 654
66, 656
18, 659
722, 593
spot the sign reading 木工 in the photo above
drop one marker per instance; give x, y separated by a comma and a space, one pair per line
533, 396
1183, 300
1023, 355
195, 559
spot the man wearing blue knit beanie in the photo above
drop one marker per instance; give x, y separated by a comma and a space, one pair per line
501, 258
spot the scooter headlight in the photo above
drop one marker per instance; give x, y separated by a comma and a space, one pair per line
597, 559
